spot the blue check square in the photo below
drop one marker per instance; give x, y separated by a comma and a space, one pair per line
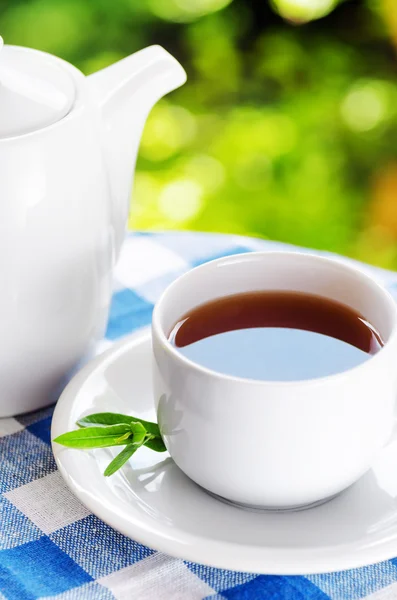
128, 312
42, 429
357, 583
38, 569
219, 579
275, 587
16, 528
25, 449
103, 551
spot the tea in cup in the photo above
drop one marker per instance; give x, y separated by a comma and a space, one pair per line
274, 376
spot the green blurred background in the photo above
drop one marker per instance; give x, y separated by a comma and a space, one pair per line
286, 129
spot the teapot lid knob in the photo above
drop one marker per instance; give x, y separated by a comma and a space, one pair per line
36, 90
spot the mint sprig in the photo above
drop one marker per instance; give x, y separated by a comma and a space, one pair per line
102, 430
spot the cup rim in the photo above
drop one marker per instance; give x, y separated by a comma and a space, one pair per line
157, 328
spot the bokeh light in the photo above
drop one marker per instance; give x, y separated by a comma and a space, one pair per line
366, 105
168, 130
181, 200
207, 170
304, 10
183, 11
61, 25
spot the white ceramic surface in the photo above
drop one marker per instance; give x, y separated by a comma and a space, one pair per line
66, 165
266, 443
34, 91
152, 501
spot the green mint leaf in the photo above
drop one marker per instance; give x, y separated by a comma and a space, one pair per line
121, 459
94, 437
104, 418
150, 427
135, 435
108, 418
139, 433
124, 438
156, 444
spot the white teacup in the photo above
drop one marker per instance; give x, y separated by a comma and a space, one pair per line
270, 444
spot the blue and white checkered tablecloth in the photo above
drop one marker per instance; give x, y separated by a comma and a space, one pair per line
52, 547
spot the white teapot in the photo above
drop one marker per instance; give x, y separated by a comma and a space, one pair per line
68, 145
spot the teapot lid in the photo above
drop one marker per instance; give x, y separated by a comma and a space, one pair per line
34, 91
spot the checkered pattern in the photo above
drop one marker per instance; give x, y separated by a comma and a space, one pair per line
51, 546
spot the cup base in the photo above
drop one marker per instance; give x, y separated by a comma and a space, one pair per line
255, 508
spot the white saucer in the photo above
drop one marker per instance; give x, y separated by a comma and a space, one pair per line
153, 502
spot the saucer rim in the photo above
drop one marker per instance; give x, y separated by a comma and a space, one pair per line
281, 560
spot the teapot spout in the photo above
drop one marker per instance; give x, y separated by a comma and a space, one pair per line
126, 92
